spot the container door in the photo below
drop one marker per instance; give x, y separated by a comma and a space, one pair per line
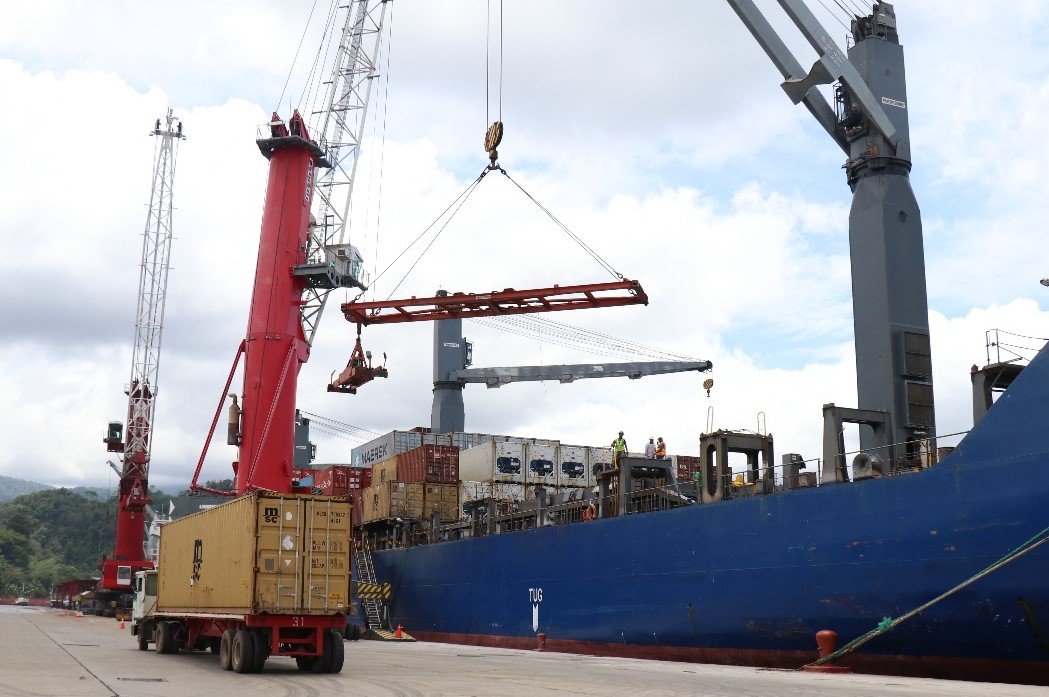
279, 554
327, 567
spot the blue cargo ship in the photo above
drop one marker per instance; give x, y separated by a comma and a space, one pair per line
714, 573
750, 580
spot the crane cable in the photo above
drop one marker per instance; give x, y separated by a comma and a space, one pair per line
493, 137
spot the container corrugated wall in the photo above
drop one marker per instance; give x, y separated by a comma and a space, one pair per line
412, 500
283, 554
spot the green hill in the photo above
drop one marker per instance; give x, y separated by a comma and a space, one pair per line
11, 488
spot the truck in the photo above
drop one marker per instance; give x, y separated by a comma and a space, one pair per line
266, 574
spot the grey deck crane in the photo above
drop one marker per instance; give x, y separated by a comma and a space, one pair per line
889, 298
451, 356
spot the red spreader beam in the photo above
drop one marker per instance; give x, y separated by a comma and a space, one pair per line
501, 302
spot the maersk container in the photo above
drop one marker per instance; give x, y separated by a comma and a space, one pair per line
260, 553
541, 466
494, 462
396, 442
572, 470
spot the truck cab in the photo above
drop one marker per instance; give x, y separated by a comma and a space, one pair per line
143, 607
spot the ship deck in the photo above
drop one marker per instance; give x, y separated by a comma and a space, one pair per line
49, 653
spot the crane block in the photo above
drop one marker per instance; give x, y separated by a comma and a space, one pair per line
359, 370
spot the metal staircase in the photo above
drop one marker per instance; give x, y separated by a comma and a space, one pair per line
362, 558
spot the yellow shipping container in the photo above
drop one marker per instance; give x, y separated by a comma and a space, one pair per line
414, 500
385, 471
263, 552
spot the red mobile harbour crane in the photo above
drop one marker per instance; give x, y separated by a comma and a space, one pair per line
268, 574
112, 595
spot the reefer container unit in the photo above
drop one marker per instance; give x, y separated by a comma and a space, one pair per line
598, 459
471, 492
265, 574
542, 464
572, 470
493, 462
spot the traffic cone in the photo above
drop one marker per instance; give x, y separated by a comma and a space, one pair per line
397, 634
121, 622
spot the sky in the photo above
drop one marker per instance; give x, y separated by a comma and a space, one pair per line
659, 136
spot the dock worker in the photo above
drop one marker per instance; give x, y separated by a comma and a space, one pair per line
618, 447
661, 449
650, 448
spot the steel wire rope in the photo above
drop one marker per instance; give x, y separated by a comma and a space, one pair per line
460, 200
382, 154
339, 424
590, 336
597, 348
593, 255
295, 58
889, 623
858, 9
571, 337
832, 14
312, 81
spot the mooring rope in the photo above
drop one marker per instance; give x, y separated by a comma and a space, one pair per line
888, 623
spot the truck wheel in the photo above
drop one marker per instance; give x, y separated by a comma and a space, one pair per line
243, 657
214, 645
338, 651
145, 630
164, 639
305, 662
323, 662
226, 650
262, 650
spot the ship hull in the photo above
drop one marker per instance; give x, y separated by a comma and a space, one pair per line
751, 580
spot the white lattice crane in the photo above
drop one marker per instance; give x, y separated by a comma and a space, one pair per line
338, 125
134, 442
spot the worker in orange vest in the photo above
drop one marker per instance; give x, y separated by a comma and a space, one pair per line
661, 449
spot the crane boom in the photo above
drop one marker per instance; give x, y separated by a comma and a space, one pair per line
501, 302
133, 496
330, 261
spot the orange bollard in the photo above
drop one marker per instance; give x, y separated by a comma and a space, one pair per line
397, 634
827, 641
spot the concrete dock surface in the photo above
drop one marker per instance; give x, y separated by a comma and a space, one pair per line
45, 652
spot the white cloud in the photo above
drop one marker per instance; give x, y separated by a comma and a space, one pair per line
663, 141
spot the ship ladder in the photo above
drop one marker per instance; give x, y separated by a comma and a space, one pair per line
362, 558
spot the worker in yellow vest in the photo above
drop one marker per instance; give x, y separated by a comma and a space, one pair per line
618, 448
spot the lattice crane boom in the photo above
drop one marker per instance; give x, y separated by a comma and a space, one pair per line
135, 442
331, 262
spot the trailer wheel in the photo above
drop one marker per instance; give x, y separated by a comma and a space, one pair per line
305, 662
243, 657
165, 640
145, 630
338, 651
214, 645
226, 650
262, 650
323, 662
